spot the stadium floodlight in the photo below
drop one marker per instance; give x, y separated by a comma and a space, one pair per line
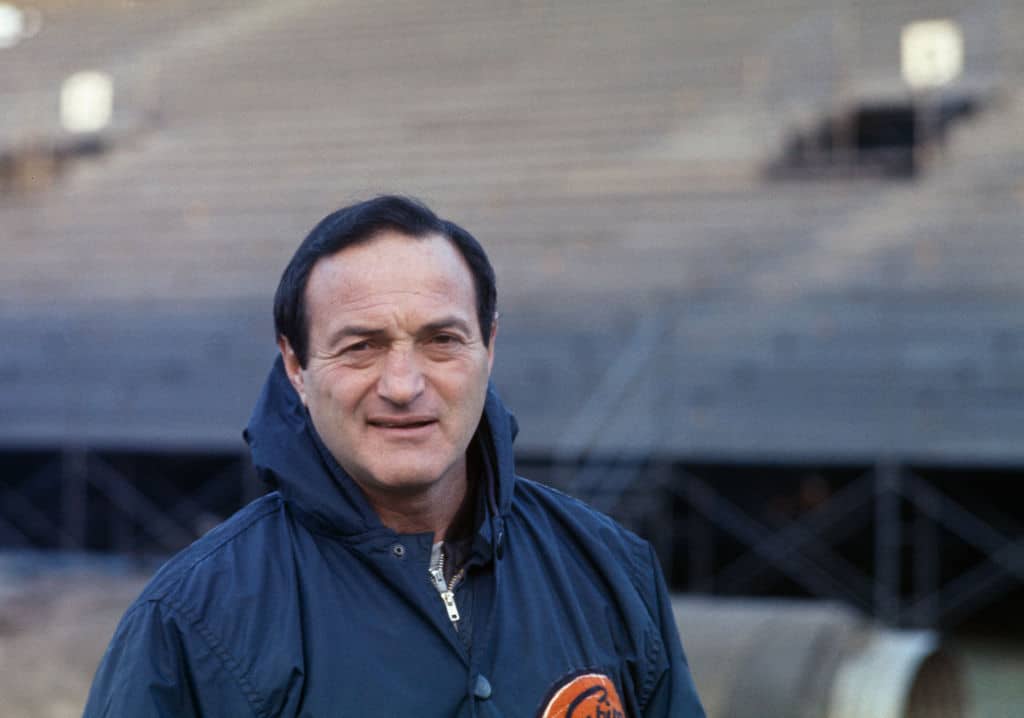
17, 24
86, 102
12, 25
932, 53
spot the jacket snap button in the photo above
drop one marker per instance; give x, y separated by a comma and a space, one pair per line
482, 688
398, 550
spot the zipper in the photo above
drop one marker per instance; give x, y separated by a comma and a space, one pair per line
446, 590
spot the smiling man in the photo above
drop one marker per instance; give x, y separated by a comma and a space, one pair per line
395, 372
400, 567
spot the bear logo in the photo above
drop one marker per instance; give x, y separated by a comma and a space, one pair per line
586, 695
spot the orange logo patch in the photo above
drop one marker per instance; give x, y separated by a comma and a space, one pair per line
591, 695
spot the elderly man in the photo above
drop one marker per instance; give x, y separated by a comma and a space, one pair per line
400, 567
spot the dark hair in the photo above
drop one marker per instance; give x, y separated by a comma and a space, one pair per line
359, 223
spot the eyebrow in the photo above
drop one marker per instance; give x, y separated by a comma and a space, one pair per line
358, 330
353, 330
450, 322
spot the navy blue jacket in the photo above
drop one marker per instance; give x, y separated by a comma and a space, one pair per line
304, 604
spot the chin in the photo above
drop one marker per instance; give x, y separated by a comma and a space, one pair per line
406, 481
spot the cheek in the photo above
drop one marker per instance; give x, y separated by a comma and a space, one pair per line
467, 388
334, 398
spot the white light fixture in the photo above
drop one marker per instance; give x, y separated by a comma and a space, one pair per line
17, 24
932, 53
86, 102
12, 25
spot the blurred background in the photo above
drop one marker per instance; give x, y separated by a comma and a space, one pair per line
759, 274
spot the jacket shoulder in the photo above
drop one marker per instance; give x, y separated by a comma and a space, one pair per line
537, 499
573, 522
227, 543
198, 622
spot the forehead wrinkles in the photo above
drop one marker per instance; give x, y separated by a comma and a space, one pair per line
393, 273
393, 262
349, 290
398, 305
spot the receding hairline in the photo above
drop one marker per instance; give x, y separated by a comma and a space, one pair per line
388, 233
360, 223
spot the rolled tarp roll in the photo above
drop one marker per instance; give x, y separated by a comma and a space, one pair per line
812, 659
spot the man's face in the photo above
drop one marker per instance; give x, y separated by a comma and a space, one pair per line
397, 370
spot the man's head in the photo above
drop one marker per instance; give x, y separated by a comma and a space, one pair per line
385, 320
359, 223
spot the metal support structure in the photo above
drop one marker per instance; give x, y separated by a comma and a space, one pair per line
818, 579
903, 580
1002, 568
927, 561
77, 499
880, 538
888, 542
701, 552
74, 479
829, 522
129, 500
877, 540
583, 430
10, 534
35, 525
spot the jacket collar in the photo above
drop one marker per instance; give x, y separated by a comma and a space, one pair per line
290, 456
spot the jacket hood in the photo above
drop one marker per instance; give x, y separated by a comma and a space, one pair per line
290, 456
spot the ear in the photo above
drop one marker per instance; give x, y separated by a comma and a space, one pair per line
490, 344
292, 368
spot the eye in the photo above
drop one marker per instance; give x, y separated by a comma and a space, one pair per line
357, 348
446, 341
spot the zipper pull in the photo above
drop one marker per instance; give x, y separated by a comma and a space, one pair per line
449, 602
446, 594
437, 574
444, 590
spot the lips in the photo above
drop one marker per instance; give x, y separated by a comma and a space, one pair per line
400, 423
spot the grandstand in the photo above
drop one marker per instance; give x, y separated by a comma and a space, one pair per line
668, 304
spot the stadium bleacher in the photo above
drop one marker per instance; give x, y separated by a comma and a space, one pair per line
668, 304
609, 157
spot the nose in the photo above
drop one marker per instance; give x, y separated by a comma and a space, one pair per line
401, 380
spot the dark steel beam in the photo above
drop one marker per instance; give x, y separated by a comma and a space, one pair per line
888, 542
818, 526
733, 520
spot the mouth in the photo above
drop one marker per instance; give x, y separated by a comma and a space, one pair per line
405, 424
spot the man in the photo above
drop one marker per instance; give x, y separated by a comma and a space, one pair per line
400, 567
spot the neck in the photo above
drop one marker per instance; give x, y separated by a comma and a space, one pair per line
439, 509
419, 514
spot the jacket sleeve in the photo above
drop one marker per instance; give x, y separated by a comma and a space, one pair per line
158, 666
674, 695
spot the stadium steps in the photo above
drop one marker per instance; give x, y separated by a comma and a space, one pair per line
609, 159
